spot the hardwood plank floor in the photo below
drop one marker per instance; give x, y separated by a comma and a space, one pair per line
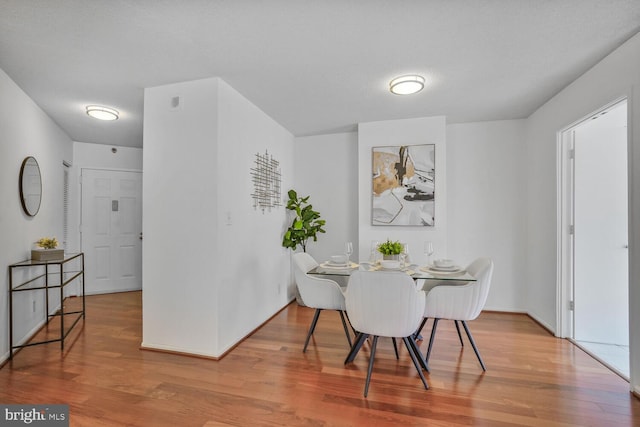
532, 378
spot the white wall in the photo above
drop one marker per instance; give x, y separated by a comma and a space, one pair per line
486, 211
179, 263
213, 267
254, 280
615, 76
426, 130
98, 156
95, 156
25, 130
326, 169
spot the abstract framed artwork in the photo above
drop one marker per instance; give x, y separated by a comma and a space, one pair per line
266, 179
403, 183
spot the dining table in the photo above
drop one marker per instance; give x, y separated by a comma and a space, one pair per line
427, 277
428, 273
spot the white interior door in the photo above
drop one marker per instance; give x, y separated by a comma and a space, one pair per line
601, 279
111, 230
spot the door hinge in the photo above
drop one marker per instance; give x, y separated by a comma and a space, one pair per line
572, 229
572, 153
571, 306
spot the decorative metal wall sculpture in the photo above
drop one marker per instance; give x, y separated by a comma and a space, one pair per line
266, 182
403, 182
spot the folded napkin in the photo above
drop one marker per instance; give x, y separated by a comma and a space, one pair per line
377, 267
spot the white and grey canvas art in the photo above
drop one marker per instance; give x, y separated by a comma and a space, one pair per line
403, 182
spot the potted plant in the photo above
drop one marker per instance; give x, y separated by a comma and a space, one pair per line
47, 250
390, 249
47, 243
305, 225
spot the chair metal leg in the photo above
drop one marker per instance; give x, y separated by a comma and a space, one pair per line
344, 325
355, 348
349, 320
371, 358
395, 348
312, 328
419, 331
459, 335
418, 353
473, 344
410, 348
433, 335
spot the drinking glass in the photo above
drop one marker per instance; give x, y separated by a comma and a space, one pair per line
373, 255
428, 251
404, 255
348, 249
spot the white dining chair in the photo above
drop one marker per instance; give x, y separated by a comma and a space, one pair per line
384, 304
459, 303
318, 293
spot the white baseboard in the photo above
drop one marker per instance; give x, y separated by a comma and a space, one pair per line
502, 310
177, 350
111, 291
543, 324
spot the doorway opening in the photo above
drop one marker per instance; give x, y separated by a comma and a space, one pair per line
593, 298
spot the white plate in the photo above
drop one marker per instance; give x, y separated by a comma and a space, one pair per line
338, 259
330, 265
389, 264
458, 272
448, 269
337, 264
443, 263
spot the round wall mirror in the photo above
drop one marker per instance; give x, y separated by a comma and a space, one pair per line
30, 186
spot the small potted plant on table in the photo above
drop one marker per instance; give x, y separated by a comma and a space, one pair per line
47, 250
390, 249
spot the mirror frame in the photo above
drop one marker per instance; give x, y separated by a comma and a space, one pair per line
23, 186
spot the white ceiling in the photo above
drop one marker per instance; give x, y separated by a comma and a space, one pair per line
315, 66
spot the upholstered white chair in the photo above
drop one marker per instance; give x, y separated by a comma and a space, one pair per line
384, 304
461, 302
318, 293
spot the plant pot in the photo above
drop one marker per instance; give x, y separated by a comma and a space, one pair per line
395, 257
47, 254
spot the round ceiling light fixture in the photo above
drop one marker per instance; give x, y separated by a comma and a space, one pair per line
406, 85
102, 113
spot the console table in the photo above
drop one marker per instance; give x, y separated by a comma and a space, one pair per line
48, 275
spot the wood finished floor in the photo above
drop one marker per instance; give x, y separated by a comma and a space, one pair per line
533, 379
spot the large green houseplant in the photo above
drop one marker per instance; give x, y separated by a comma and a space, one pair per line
305, 225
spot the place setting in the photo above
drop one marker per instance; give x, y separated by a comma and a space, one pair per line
338, 262
341, 261
390, 265
443, 267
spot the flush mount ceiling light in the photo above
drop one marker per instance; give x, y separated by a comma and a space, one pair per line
406, 85
102, 113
